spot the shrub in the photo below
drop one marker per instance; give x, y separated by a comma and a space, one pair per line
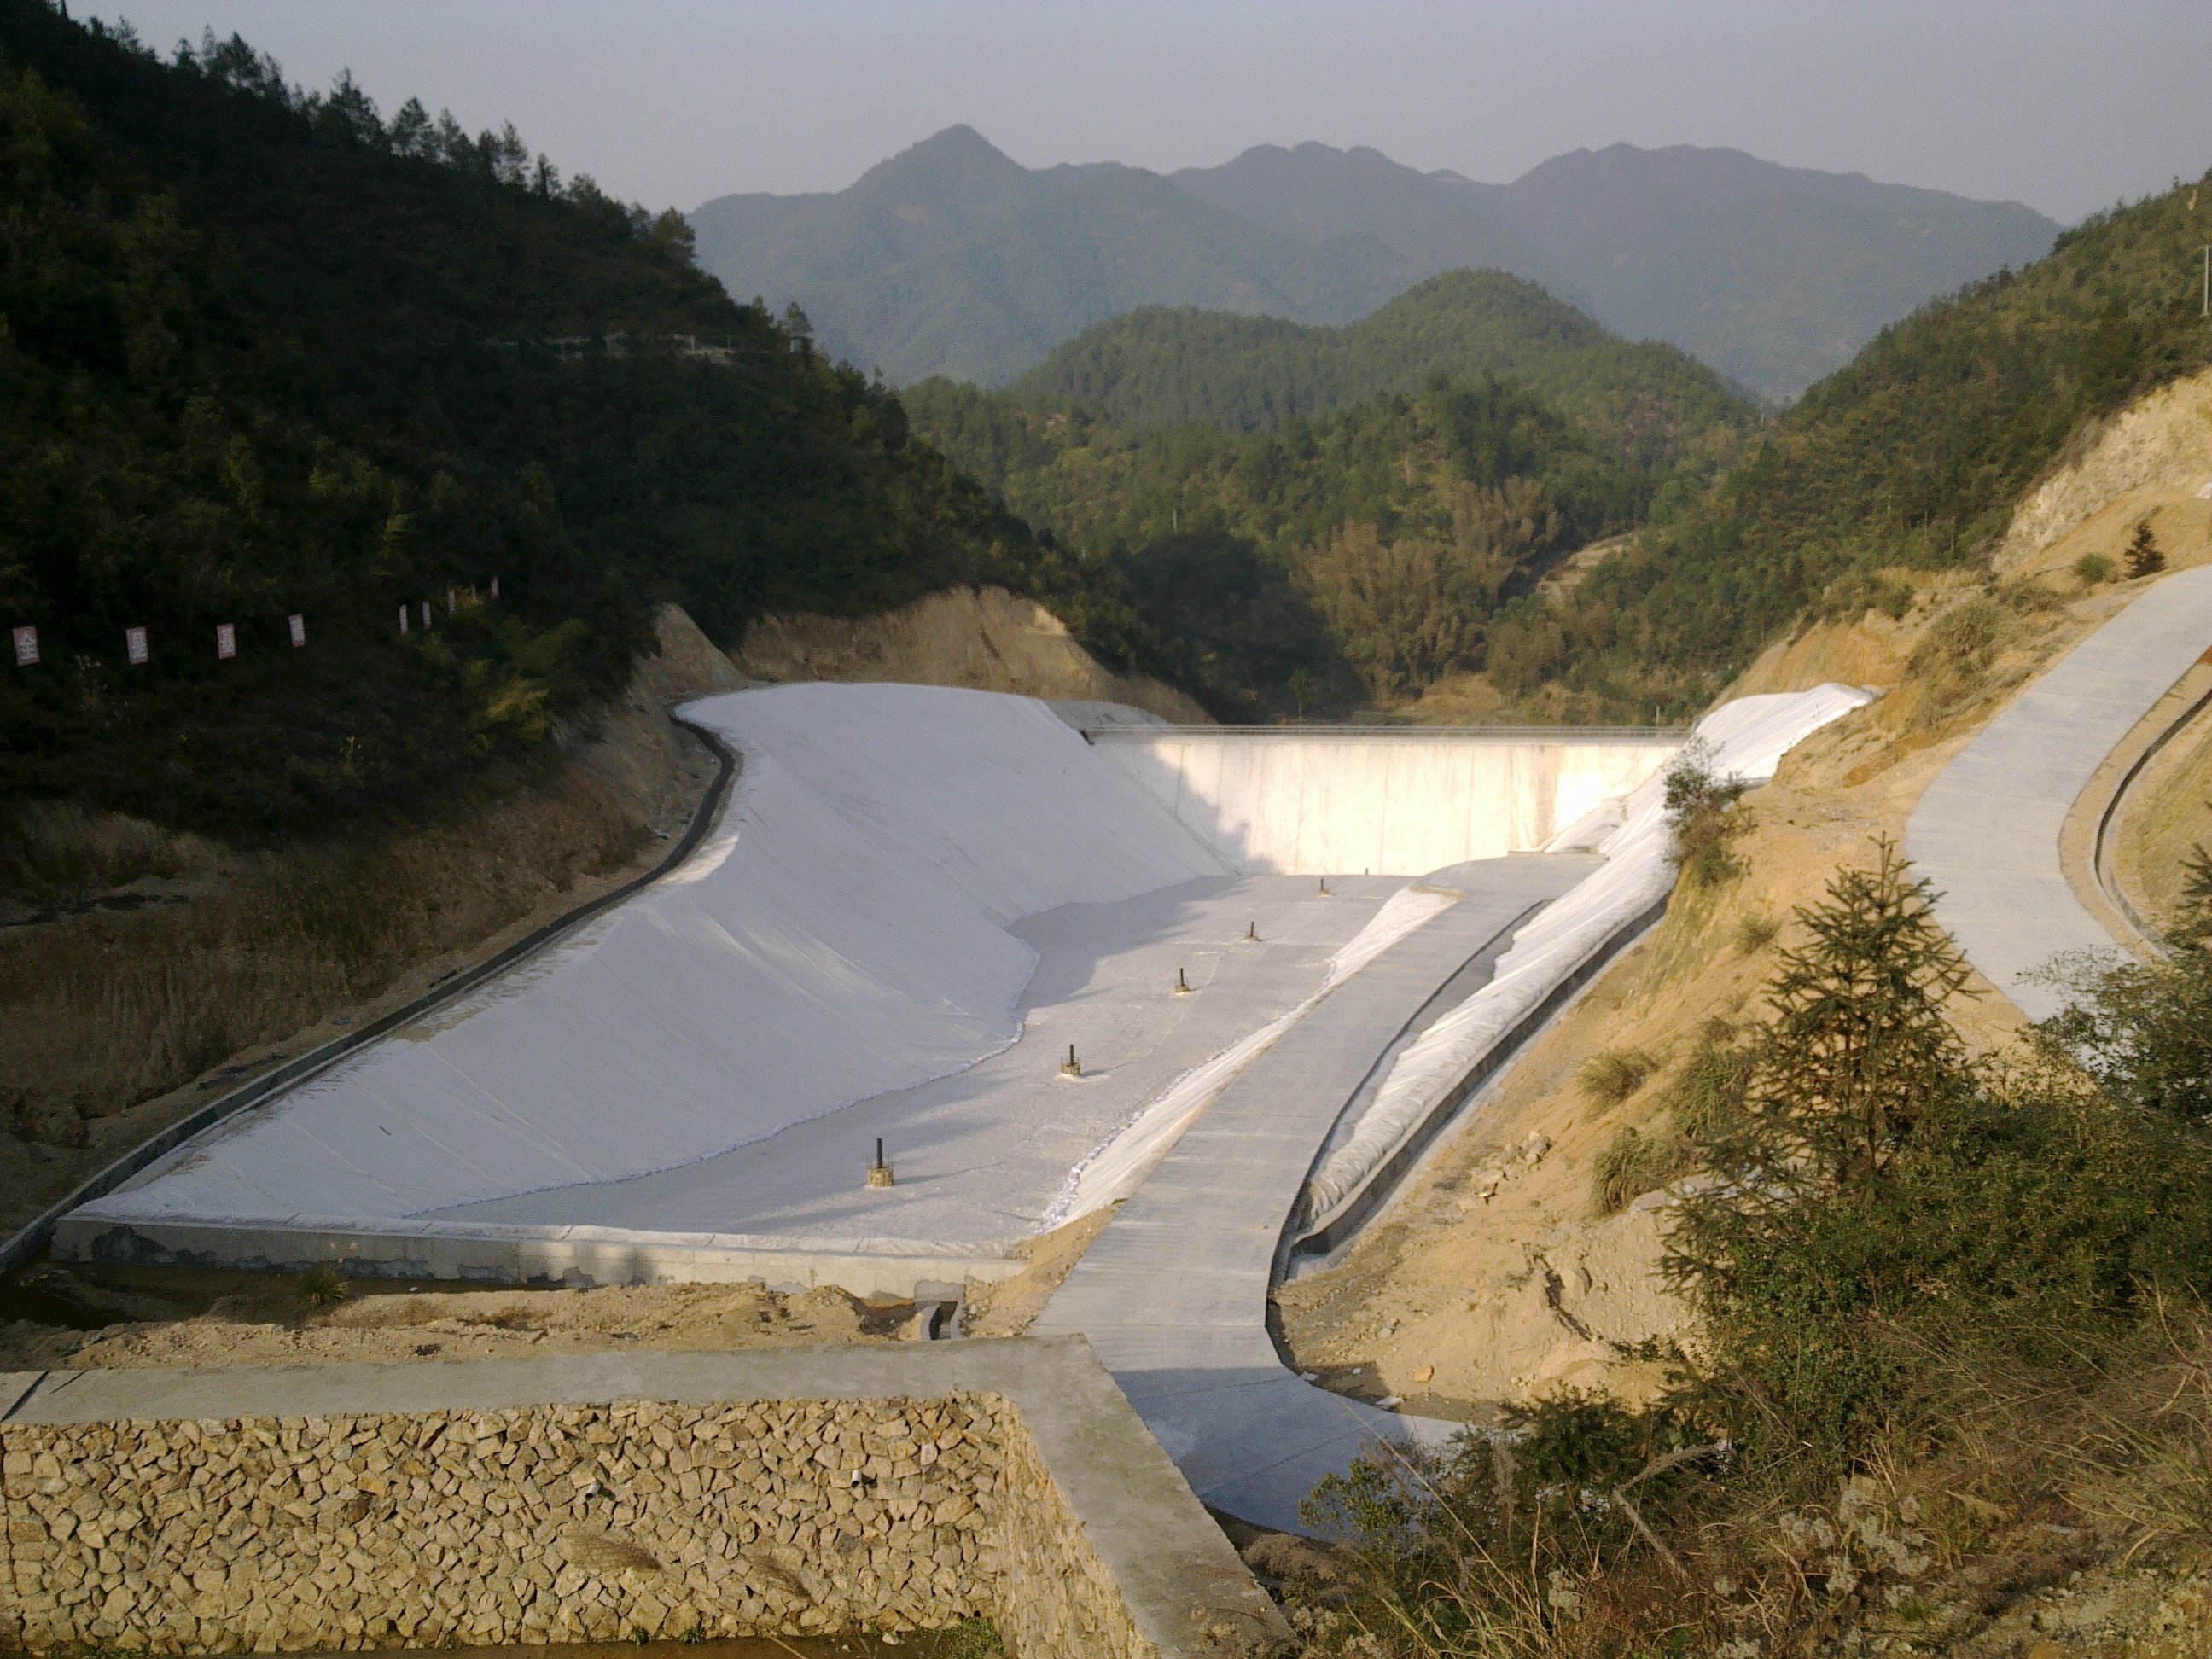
975, 1638
1854, 595
1633, 1164
1707, 817
323, 1287
2093, 568
2143, 1031
2192, 918
1501, 1544
1955, 652
1611, 1075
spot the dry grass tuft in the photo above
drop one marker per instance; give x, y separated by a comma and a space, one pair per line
1632, 1164
1756, 930
1611, 1075
324, 1287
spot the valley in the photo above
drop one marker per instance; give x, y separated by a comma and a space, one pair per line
1300, 908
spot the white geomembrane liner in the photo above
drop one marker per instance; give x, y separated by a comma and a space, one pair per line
839, 934
1745, 738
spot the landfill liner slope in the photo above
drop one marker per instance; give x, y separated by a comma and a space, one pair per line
840, 933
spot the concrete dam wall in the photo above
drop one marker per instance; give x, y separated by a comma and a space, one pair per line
1391, 800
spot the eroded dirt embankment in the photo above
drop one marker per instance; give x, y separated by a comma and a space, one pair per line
131, 1318
149, 971
1496, 1279
986, 638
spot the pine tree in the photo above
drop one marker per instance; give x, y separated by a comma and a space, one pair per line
2144, 558
1858, 1052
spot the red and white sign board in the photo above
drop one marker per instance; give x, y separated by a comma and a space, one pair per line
298, 624
134, 645
27, 647
225, 640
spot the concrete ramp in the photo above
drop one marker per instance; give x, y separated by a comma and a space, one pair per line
1383, 800
1987, 832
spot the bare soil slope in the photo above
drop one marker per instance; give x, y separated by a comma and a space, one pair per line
165, 1317
986, 638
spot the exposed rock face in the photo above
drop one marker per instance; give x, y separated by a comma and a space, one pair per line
2161, 442
985, 638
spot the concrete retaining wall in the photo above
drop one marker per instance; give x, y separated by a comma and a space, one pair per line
141, 1512
572, 1256
1308, 800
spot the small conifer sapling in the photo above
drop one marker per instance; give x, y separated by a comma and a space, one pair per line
2145, 557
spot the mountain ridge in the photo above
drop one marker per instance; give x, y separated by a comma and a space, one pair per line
1162, 367
951, 258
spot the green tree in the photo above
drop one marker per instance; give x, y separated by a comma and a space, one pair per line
2145, 558
2193, 916
1859, 1052
2143, 1030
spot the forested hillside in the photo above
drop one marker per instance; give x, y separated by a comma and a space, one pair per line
265, 354
1332, 516
1364, 548
1774, 275
1166, 367
1910, 457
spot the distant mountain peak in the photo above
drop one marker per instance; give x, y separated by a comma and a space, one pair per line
958, 143
958, 162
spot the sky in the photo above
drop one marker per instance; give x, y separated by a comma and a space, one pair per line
2065, 106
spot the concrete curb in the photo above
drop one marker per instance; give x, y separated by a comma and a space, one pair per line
2102, 852
26, 1242
1325, 1234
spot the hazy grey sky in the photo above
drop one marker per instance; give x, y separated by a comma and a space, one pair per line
2064, 107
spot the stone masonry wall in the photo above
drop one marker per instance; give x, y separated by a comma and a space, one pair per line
546, 1523
1054, 1594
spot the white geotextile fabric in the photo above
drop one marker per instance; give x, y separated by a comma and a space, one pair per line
1747, 739
1118, 1165
840, 933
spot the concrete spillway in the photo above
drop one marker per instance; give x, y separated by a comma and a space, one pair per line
1311, 801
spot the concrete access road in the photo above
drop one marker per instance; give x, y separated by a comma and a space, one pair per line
1986, 834
1173, 1296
